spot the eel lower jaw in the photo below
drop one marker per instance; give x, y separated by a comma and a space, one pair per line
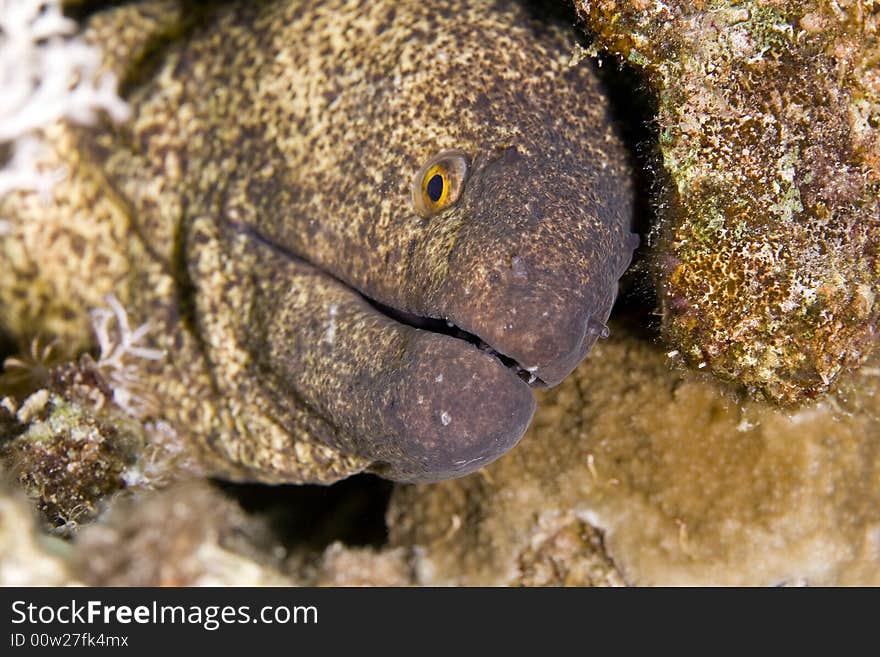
443, 327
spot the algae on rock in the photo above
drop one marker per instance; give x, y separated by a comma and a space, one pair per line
769, 131
72, 448
66, 459
27, 556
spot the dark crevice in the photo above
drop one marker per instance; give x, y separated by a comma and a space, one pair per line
82, 10
8, 346
634, 112
312, 517
545, 12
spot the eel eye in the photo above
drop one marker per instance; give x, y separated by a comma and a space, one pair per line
439, 182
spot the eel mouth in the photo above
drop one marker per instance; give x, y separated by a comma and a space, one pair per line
420, 398
445, 327
429, 324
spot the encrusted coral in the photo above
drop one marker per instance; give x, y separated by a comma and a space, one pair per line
340, 565
67, 458
769, 130
192, 534
70, 433
186, 535
28, 557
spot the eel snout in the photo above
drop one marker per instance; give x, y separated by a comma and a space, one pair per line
534, 273
542, 337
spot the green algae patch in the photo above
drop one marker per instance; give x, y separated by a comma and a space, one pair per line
68, 457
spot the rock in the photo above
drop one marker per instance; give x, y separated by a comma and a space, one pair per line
192, 534
640, 473
186, 535
769, 132
67, 458
27, 556
72, 447
341, 565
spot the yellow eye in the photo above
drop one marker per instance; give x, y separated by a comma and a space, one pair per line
439, 182
435, 187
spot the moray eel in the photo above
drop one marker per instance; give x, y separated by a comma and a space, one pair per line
390, 219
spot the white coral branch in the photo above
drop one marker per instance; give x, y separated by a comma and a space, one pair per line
119, 344
47, 73
113, 351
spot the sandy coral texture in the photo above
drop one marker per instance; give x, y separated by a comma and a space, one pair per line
640, 473
189, 534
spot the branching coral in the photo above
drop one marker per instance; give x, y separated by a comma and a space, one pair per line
46, 73
119, 345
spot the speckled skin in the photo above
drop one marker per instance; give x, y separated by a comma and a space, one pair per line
267, 174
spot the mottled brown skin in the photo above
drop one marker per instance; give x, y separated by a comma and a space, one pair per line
268, 169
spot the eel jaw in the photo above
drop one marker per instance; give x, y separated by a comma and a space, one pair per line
418, 405
451, 410
486, 399
446, 327
454, 406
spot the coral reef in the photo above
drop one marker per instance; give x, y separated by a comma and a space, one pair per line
340, 565
188, 534
634, 471
66, 459
769, 131
72, 446
72, 433
191, 534
640, 473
